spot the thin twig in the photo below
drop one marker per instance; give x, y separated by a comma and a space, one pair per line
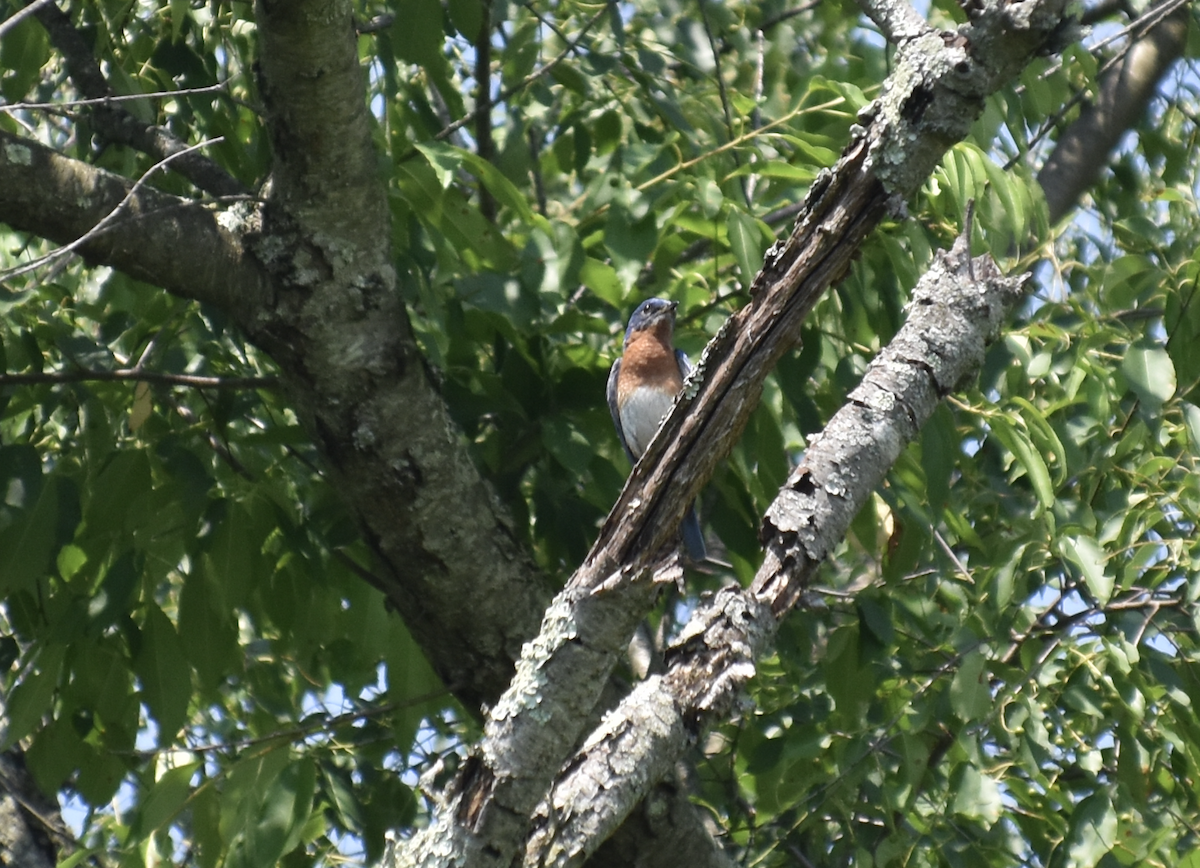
742, 139
485, 144
949, 552
20, 15
527, 80
194, 381
724, 94
300, 731
108, 100
786, 14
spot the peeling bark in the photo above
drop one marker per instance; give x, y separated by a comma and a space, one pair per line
325, 306
957, 308
929, 102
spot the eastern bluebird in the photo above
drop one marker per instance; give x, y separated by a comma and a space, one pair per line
642, 386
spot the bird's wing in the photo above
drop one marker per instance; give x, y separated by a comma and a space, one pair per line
685, 364
611, 392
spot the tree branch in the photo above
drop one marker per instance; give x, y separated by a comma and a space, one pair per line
957, 309
449, 559
102, 225
897, 20
174, 243
116, 124
1083, 148
20, 15
939, 87
89, 375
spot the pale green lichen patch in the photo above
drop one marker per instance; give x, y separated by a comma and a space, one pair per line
17, 155
558, 627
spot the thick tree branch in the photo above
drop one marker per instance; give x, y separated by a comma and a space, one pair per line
1082, 151
353, 370
957, 309
939, 86
896, 19
32, 833
174, 243
119, 126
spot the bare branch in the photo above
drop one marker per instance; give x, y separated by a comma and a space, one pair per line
105, 223
195, 381
953, 316
937, 91
896, 19
1083, 148
20, 15
119, 126
111, 100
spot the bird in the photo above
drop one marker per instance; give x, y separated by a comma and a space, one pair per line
643, 384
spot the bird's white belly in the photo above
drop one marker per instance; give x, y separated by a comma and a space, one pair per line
641, 414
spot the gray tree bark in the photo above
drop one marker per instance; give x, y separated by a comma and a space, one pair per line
1082, 150
306, 273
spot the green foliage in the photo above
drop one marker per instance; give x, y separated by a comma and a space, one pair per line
1000, 666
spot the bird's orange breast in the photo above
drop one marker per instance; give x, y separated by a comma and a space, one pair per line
649, 362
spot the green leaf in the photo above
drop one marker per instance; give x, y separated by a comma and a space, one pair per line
970, 696
568, 445
629, 240
745, 240
1191, 418
709, 197
275, 820
976, 795
164, 672
26, 547
417, 33
23, 52
601, 278
209, 635
446, 160
1150, 373
876, 619
1093, 831
101, 680
1043, 436
31, 699
111, 602
206, 815
467, 17
166, 799
247, 785
1022, 449
851, 683
100, 776
123, 480
55, 754
940, 449
1089, 558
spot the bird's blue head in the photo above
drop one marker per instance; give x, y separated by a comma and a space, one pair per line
649, 313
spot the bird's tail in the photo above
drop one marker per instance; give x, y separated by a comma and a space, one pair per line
693, 537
